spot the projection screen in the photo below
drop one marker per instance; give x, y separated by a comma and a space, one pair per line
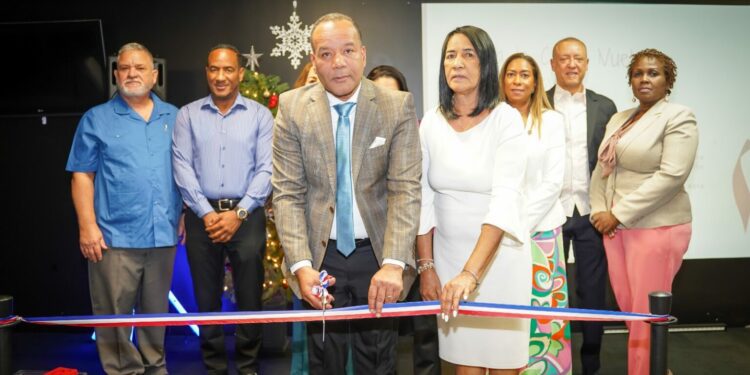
708, 43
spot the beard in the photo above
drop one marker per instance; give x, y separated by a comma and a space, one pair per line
133, 92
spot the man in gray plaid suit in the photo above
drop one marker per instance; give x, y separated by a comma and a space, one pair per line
346, 179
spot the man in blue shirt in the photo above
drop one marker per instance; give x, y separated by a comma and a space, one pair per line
222, 165
128, 210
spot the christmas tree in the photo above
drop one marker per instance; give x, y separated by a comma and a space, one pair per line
265, 90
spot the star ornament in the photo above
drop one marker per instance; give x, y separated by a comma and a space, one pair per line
252, 59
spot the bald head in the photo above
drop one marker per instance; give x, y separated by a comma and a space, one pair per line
333, 17
570, 63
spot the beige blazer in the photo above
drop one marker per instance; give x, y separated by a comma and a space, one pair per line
386, 177
654, 158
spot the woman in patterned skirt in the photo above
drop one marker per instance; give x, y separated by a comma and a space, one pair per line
523, 89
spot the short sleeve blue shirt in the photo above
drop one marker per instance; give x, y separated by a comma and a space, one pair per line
136, 201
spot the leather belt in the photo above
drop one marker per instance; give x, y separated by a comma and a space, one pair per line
362, 242
225, 204
358, 242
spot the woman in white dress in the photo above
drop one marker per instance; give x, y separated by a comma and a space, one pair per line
474, 242
522, 87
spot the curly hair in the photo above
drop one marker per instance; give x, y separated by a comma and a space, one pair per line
670, 68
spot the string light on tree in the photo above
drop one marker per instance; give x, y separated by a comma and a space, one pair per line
265, 90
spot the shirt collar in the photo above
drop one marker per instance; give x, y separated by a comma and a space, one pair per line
564, 95
239, 102
122, 107
332, 100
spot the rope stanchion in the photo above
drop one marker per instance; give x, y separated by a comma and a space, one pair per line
659, 303
403, 309
6, 322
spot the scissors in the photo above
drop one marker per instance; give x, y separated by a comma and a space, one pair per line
322, 291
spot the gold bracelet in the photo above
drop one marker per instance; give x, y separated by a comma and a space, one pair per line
425, 267
476, 279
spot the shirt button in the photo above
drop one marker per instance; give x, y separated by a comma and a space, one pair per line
330, 209
323, 243
223, 147
222, 165
222, 185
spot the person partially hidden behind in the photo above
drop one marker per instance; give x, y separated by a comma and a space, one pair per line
586, 114
425, 355
128, 211
523, 88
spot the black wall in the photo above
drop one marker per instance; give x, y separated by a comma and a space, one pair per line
182, 32
41, 265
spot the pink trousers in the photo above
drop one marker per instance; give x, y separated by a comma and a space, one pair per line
641, 261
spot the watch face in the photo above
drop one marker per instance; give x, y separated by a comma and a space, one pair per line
241, 213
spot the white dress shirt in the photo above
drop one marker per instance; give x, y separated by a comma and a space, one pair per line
359, 225
575, 190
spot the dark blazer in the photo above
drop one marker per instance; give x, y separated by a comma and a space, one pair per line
599, 109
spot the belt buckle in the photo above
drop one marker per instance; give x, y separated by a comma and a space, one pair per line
225, 204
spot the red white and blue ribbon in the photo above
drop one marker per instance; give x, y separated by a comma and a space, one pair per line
489, 310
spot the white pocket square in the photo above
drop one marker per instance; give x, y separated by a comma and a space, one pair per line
379, 141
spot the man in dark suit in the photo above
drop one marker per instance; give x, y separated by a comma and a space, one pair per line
346, 180
586, 116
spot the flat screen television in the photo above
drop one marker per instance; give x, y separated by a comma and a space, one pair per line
56, 67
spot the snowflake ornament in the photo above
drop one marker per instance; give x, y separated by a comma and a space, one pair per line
294, 40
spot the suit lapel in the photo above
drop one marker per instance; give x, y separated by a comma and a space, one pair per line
618, 119
363, 126
643, 123
592, 114
319, 115
551, 96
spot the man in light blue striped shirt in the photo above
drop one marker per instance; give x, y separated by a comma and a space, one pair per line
221, 155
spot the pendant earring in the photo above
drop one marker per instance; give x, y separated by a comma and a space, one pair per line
634, 99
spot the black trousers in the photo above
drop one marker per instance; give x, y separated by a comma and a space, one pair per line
373, 341
591, 282
245, 251
426, 354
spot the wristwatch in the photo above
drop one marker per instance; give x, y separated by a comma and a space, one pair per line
241, 213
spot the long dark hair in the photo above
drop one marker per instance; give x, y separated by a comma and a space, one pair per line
489, 89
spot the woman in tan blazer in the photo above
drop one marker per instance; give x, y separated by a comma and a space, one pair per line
638, 197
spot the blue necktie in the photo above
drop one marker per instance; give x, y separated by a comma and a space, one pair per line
344, 201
